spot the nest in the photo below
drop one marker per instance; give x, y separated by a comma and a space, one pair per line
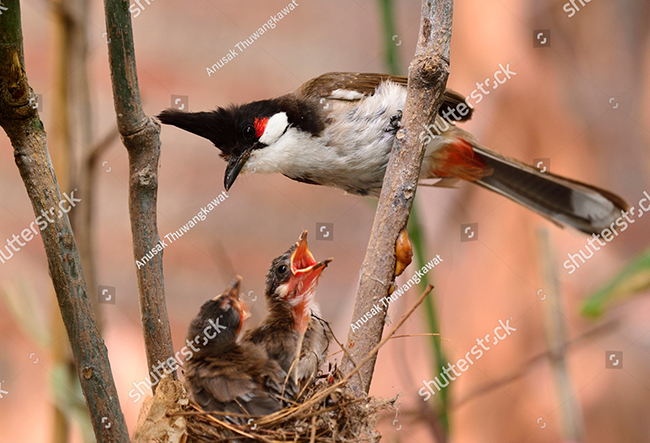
328, 412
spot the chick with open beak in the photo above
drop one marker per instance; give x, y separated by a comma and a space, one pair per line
294, 315
228, 376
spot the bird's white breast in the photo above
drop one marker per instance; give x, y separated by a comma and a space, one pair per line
351, 153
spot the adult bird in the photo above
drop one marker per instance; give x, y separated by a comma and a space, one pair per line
338, 130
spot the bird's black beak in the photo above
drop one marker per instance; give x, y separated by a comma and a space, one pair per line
235, 164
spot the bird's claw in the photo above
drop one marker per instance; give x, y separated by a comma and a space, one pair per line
395, 122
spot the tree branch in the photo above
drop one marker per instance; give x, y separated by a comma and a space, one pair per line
428, 74
525, 368
141, 137
25, 130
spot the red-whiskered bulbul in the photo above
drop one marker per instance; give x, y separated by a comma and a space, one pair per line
294, 315
227, 375
338, 130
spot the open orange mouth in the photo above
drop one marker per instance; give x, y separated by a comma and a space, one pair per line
305, 271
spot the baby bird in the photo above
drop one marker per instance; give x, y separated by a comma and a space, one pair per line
226, 375
294, 316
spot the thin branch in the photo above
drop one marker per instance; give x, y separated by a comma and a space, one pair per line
525, 367
141, 137
101, 146
428, 74
573, 428
25, 130
84, 176
373, 352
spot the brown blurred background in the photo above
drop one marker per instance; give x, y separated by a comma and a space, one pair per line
582, 103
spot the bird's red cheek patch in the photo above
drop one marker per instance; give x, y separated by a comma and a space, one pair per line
260, 126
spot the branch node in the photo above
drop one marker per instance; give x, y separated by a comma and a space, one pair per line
146, 127
18, 84
408, 190
87, 372
18, 95
428, 69
147, 177
66, 240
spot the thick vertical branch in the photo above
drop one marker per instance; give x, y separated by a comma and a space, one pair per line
428, 74
439, 421
141, 137
21, 123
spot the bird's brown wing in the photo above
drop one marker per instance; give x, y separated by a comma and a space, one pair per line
245, 382
279, 341
314, 349
228, 385
366, 83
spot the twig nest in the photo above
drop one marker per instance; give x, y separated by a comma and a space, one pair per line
327, 412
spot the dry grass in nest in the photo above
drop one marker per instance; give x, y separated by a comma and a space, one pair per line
328, 413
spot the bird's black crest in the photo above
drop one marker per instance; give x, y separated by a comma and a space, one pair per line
224, 127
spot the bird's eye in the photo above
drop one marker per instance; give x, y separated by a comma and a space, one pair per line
249, 132
282, 269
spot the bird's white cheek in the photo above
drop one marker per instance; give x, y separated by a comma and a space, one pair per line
275, 127
294, 154
283, 290
289, 297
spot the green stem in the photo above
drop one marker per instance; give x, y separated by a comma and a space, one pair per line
417, 238
387, 13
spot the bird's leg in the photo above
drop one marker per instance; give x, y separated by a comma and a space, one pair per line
395, 122
403, 252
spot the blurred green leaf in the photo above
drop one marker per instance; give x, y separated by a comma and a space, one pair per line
634, 278
68, 397
29, 312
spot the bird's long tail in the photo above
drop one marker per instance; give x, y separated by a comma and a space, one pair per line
563, 201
